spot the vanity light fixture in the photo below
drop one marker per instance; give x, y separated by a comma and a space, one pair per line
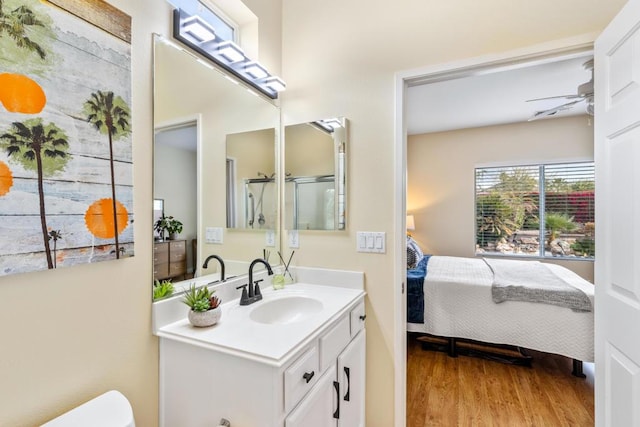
275, 83
196, 33
229, 51
256, 70
329, 125
198, 29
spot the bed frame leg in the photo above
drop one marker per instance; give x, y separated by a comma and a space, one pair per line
577, 369
452, 350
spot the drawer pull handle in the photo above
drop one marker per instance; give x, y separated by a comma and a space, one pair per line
308, 375
336, 385
363, 316
347, 394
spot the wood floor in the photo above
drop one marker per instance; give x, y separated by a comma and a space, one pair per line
469, 391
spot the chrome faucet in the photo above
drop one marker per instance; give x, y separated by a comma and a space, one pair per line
206, 262
253, 294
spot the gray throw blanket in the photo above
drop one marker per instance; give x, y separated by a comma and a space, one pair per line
532, 281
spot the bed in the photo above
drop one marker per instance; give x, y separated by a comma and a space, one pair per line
453, 297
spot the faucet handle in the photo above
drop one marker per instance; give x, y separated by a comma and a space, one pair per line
256, 290
244, 298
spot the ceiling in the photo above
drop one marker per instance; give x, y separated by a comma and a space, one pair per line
495, 97
180, 137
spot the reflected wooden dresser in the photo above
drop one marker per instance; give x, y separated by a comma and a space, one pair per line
169, 259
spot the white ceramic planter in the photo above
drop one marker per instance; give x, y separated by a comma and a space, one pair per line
205, 318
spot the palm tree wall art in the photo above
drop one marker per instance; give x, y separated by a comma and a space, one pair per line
110, 116
66, 169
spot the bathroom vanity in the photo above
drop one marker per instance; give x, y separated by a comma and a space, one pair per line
296, 358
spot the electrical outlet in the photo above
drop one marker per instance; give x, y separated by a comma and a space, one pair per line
294, 241
270, 238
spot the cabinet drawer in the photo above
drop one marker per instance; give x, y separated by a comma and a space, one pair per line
177, 256
160, 257
161, 270
177, 268
177, 247
160, 247
332, 343
300, 377
358, 316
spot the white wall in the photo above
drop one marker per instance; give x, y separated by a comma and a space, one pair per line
339, 59
175, 181
71, 334
440, 179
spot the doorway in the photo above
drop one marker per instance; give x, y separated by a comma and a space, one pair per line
175, 179
404, 80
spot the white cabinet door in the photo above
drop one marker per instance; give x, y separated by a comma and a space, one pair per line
351, 376
318, 408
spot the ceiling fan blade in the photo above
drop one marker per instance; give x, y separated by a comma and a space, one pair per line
551, 111
555, 97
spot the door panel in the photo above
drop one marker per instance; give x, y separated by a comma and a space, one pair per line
351, 376
617, 267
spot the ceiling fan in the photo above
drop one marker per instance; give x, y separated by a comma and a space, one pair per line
584, 94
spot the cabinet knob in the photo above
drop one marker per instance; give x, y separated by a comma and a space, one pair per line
308, 375
363, 316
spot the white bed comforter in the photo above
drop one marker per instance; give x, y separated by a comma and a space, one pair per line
458, 304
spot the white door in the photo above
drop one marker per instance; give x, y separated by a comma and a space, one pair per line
351, 376
617, 268
318, 408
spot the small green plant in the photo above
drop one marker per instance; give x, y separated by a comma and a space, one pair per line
168, 224
557, 223
201, 299
585, 247
162, 289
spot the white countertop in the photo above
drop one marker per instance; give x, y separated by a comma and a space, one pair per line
236, 333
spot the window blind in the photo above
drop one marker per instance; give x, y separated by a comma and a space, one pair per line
536, 210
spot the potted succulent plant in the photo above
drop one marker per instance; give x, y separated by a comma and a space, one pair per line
168, 224
162, 289
204, 306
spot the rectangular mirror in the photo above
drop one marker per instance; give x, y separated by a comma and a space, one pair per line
212, 135
315, 168
252, 197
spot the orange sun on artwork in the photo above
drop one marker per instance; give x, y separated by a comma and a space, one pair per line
20, 94
6, 179
99, 218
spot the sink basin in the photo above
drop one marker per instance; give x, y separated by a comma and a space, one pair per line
285, 310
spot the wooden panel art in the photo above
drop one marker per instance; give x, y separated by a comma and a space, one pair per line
66, 168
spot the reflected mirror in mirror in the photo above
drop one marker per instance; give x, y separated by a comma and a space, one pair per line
252, 199
196, 120
315, 168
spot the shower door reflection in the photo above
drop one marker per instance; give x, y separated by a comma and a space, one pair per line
260, 200
313, 204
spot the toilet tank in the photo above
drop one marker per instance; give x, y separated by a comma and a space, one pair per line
110, 409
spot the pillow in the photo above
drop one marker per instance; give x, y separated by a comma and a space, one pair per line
414, 253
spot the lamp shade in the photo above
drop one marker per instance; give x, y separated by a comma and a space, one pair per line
411, 225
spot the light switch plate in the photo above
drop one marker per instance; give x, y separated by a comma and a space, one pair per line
371, 241
294, 239
213, 235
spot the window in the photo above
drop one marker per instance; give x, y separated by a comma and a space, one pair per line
539, 211
224, 27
